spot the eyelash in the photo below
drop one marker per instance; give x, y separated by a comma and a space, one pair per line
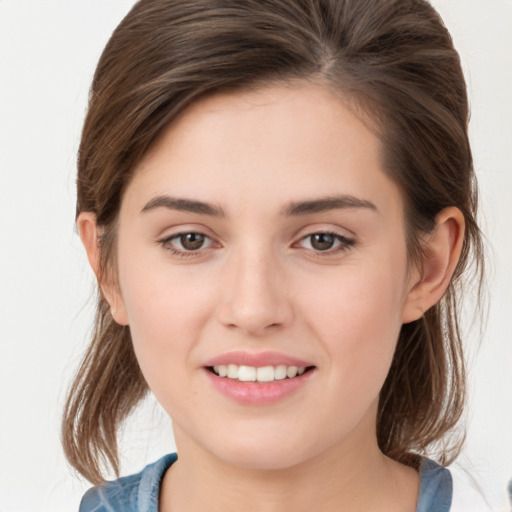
176, 252
344, 244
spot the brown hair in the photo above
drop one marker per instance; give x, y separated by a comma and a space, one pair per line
394, 60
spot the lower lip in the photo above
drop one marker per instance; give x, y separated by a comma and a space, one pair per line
258, 393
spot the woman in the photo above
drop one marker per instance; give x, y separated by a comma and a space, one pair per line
278, 200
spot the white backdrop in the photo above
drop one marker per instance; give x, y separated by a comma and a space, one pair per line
48, 51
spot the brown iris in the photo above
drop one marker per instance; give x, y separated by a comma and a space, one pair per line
322, 241
192, 241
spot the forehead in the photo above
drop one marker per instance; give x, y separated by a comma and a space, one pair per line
264, 147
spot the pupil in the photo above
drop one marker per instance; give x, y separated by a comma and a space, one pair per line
192, 241
322, 241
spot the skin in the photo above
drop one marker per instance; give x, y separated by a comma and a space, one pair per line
258, 283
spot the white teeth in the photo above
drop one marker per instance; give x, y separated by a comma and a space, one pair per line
280, 372
265, 374
232, 371
261, 374
291, 372
247, 374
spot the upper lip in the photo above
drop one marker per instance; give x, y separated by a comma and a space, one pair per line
257, 359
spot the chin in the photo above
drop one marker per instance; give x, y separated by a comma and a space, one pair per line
259, 452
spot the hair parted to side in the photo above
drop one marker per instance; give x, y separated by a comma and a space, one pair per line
395, 61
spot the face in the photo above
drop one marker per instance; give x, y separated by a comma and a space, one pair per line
261, 238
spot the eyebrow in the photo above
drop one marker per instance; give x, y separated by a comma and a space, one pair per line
184, 205
292, 209
297, 208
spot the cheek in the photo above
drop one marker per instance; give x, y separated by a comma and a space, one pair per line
357, 316
166, 312
358, 323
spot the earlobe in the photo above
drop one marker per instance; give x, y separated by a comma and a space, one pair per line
441, 248
89, 234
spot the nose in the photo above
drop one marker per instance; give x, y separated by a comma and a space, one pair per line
255, 298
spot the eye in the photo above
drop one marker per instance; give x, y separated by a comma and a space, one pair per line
182, 244
191, 241
326, 242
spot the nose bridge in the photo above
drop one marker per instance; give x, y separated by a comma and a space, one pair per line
255, 298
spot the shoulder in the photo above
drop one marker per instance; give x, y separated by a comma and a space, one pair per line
436, 488
132, 493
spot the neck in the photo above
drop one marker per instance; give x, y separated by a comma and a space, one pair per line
349, 477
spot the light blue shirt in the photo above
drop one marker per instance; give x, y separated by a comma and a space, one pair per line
139, 493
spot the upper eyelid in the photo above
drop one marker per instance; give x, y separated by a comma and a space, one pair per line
323, 227
301, 237
338, 236
337, 231
329, 231
200, 231
181, 233
310, 229
343, 240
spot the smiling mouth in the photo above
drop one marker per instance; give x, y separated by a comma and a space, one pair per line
244, 373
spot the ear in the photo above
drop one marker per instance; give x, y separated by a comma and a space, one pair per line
90, 235
442, 248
